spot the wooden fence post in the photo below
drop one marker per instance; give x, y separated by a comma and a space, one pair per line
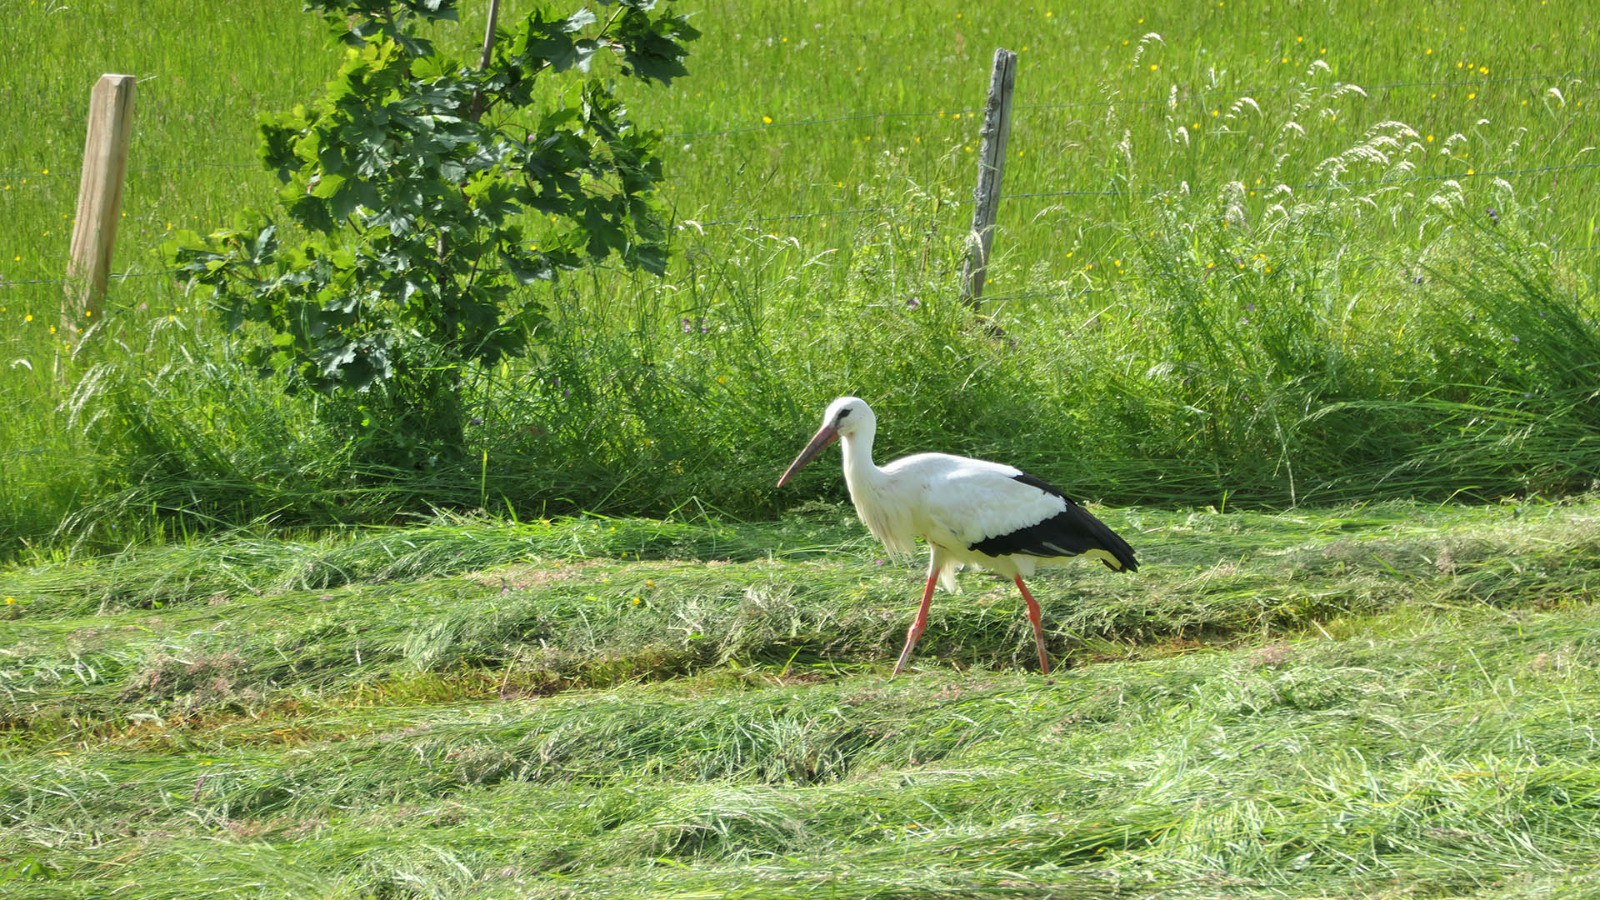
105, 162
991, 166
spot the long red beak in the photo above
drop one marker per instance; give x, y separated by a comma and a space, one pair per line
825, 435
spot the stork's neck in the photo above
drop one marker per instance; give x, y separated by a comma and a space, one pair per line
860, 474
873, 492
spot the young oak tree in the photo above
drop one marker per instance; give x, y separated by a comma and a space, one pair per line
426, 194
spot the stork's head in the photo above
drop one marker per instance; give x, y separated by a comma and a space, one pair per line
845, 418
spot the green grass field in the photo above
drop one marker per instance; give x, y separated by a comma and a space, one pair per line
1303, 296
1246, 256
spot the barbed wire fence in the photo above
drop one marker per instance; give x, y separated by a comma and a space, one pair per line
16, 178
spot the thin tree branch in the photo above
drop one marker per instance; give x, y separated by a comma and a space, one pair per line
483, 59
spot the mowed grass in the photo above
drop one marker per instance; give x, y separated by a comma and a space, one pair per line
1378, 700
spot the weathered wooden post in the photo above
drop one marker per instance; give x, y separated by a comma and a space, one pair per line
105, 162
991, 166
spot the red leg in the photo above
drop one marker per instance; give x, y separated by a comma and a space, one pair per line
1038, 627
915, 632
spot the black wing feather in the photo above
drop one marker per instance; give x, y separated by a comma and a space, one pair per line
1071, 532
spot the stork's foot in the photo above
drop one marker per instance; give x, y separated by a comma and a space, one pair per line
905, 654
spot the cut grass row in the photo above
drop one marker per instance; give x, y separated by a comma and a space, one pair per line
1444, 746
221, 624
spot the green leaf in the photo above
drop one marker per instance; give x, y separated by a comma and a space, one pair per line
651, 48
324, 187
650, 257
528, 268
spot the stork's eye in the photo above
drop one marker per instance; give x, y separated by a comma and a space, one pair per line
840, 417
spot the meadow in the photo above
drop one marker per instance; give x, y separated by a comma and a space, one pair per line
1302, 297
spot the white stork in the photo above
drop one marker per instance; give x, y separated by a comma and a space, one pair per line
968, 510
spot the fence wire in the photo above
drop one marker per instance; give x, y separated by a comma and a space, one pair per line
1158, 191
883, 210
18, 174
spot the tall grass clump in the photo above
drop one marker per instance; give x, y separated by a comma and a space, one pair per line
1506, 386
1316, 328
204, 437
50, 468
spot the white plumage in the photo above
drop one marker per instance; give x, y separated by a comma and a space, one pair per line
970, 511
